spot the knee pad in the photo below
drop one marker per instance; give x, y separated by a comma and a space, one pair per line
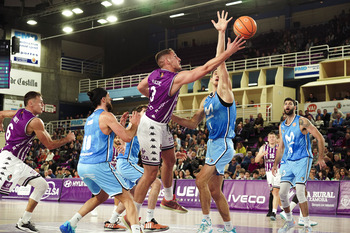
284, 190
40, 186
300, 192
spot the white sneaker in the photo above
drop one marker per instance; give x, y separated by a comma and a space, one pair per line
27, 227
301, 222
283, 215
205, 227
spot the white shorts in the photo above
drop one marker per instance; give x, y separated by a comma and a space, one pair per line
273, 181
14, 171
153, 138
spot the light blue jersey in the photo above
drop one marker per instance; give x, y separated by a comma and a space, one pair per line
97, 147
220, 117
297, 145
131, 152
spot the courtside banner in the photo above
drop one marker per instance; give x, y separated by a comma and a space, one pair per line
247, 194
188, 194
344, 197
322, 196
342, 105
309, 71
74, 190
51, 194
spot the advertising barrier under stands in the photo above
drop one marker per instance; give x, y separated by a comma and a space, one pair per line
328, 197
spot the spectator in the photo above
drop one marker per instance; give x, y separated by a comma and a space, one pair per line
319, 113
247, 129
240, 136
251, 120
50, 173
232, 166
256, 175
76, 175
344, 175
240, 149
227, 176
246, 160
337, 160
312, 175
336, 176
262, 173
319, 122
326, 117
67, 174
259, 123
307, 114
59, 173
261, 142
347, 120
52, 166
240, 174
322, 175
253, 165
45, 166
334, 116
178, 141
301, 113
338, 122
181, 174
311, 98
247, 176
176, 174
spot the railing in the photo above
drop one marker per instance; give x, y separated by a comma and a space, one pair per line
94, 68
315, 55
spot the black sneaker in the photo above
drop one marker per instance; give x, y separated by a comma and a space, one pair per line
268, 214
273, 216
27, 227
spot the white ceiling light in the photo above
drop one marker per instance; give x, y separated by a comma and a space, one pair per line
177, 15
77, 11
106, 3
102, 21
32, 22
117, 99
67, 29
112, 19
117, 2
67, 13
233, 3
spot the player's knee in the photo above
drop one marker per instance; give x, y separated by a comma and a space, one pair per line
300, 192
40, 186
275, 191
215, 193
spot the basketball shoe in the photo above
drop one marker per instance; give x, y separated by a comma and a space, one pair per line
273, 216
287, 226
128, 225
114, 226
173, 205
153, 225
27, 227
301, 222
283, 215
205, 227
224, 230
67, 228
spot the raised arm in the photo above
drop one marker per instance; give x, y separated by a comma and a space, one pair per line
143, 87
260, 155
306, 124
185, 77
44, 137
6, 114
195, 119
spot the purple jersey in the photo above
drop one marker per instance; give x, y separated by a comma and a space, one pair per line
17, 140
161, 104
269, 158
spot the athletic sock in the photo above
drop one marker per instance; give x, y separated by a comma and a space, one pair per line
135, 228
228, 226
138, 207
274, 211
114, 217
75, 219
292, 206
289, 216
150, 215
26, 217
168, 193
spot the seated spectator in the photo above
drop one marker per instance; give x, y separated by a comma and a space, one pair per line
59, 173
346, 142
307, 114
247, 176
240, 149
336, 176
246, 160
76, 175
319, 113
261, 142
344, 174
334, 116
240, 136
247, 129
301, 113
326, 117
319, 122
312, 175
52, 166
67, 174
227, 175
311, 98
45, 166
232, 166
191, 154
49, 155
262, 173
251, 120
240, 175
322, 175
181, 174
256, 175
50, 173
253, 165
309, 117
337, 161
338, 122
259, 123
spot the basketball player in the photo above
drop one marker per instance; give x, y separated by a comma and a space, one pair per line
268, 153
295, 148
24, 126
127, 166
162, 87
94, 166
219, 108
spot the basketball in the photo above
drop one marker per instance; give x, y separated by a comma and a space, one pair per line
245, 26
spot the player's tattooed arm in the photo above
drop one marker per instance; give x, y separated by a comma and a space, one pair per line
304, 123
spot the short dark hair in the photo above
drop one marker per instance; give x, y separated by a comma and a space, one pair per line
96, 95
30, 95
161, 54
289, 99
140, 107
272, 132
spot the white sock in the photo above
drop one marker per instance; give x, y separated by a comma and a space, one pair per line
114, 217
138, 207
168, 193
274, 211
75, 219
150, 215
292, 205
26, 217
289, 216
307, 221
301, 214
206, 217
228, 226
135, 228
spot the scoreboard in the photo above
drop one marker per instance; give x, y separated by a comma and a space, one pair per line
4, 64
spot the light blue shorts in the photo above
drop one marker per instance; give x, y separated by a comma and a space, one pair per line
219, 153
102, 176
130, 171
296, 172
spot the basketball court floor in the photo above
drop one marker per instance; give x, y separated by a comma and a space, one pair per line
50, 215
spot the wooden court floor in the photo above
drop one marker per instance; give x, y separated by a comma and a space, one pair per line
48, 216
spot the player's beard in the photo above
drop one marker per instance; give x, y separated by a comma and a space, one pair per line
109, 107
290, 112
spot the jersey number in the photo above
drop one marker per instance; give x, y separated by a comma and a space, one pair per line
153, 89
8, 131
87, 143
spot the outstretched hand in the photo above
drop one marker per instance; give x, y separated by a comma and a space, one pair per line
180, 155
221, 25
123, 118
236, 45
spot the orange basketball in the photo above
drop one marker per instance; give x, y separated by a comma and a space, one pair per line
245, 26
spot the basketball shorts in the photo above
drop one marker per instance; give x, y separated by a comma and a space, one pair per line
14, 171
273, 181
153, 137
102, 176
130, 171
296, 172
219, 153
